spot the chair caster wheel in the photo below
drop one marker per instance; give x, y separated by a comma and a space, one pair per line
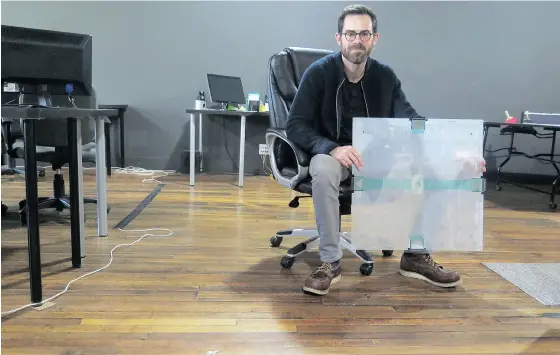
276, 241
366, 269
287, 262
498, 188
552, 206
42, 173
387, 252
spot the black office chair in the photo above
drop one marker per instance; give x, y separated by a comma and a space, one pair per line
4, 150
51, 137
12, 131
290, 165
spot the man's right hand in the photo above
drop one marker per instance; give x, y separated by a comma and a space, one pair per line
347, 156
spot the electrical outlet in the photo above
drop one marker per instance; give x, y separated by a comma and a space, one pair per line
263, 149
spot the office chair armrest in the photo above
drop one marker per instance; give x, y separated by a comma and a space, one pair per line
274, 138
303, 158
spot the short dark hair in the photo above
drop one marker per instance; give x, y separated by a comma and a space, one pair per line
356, 10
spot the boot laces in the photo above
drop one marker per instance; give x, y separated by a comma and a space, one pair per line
324, 268
428, 258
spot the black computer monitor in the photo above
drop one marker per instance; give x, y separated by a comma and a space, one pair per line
42, 61
226, 89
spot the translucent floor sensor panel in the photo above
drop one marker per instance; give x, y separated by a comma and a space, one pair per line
420, 186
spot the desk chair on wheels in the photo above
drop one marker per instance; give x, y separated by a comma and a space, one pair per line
290, 165
11, 132
51, 138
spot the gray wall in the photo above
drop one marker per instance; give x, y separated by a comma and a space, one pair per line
456, 59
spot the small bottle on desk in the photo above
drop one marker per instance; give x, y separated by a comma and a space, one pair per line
200, 102
264, 106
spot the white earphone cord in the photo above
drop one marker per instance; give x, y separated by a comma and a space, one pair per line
169, 232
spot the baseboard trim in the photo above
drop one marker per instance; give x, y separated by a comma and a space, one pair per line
522, 178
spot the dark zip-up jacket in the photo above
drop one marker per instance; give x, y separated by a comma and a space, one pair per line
316, 112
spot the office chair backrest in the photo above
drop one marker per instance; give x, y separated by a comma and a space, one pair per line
285, 70
54, 132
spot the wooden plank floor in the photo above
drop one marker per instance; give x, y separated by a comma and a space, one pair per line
216, 284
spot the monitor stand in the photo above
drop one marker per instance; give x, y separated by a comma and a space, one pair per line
41, 97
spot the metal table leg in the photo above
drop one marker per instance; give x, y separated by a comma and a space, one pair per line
556, 184
485, 137
200, 141
79, 147
242, 150
101, 177
121, 132
32, 198
76, 216
192, 147
108, 146
510, 154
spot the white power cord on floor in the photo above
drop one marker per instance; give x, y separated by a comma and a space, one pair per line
132, 170
141, 171
169, 232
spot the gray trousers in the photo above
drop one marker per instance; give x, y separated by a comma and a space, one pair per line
327, 174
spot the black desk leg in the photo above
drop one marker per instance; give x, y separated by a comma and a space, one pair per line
74, 192
484, 138
510, 151
121, 129
556, 183
108, 147
555, 191
32, 207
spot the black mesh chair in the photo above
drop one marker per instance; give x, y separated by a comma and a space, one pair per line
290, 165
52, 147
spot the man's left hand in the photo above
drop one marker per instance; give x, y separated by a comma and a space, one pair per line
472, 162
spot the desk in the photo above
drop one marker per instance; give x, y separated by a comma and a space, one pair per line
73, 117
241, 114
527, 128
121, 109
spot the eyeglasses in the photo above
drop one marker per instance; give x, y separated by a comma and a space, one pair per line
364, 35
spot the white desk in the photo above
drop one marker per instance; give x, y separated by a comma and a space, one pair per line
241, 114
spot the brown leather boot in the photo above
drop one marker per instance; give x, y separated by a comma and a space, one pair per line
319, 282
423, 267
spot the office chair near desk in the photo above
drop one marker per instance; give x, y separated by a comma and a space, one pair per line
11, 132
51, 137
290, 165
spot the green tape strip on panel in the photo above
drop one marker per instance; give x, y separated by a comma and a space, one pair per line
419, 184
416, 242
418, 125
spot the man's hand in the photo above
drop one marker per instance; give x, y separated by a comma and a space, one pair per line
472, 162
347, 156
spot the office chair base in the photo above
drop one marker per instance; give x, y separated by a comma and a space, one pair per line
59, 204
13, 171
313, 237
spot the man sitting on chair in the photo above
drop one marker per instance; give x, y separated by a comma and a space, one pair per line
332, 91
